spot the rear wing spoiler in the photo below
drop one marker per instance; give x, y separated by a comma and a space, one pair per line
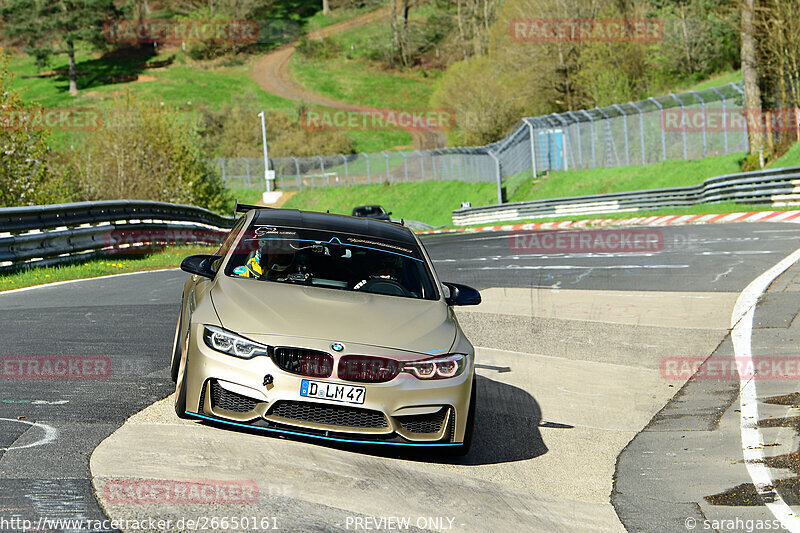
244, 208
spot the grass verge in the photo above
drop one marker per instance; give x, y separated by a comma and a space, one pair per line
170, 257
430, 201
521, 187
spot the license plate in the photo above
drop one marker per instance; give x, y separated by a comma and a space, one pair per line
332, 391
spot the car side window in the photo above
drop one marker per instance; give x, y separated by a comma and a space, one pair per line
228, 242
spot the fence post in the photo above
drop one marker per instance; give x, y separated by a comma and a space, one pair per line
641, 129
533, 149
322, 170
222, 163
705, 119
744, 106
405, 165
565, 139
577, 120
591, 125
661, 122
367, 158
683, 125
625, 131
724, 119
247, 170
421, 164
433, 164
497, 176
299, 179
386, 158
609, 138
346, 175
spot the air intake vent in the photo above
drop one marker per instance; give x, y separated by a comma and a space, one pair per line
332, 415
230, 401
431, 423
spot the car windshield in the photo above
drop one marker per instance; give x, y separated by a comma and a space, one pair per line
368, 210
333, 260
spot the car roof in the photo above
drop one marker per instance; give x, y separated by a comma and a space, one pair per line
340, 223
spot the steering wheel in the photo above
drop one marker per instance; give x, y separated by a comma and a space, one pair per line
388, 286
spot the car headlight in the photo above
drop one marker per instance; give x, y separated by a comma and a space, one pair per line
441, 367
226, 342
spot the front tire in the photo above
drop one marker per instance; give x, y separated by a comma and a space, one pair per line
176, 349
182, 382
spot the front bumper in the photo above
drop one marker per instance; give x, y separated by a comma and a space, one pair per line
404, 411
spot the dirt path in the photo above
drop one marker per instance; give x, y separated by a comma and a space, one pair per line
271, 72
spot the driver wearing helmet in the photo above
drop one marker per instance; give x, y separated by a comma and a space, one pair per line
271, 258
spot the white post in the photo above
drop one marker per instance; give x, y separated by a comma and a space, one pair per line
267, 177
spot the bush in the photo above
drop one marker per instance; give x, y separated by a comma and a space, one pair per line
235, 131
318, 49
25, 177
146, 151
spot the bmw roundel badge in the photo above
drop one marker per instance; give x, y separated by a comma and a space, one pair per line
337, 346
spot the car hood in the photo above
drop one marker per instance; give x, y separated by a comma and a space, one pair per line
252, 307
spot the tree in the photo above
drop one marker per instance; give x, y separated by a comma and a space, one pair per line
55, 27
752, 90
25, 174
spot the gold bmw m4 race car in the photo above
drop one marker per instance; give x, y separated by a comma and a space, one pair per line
325, 326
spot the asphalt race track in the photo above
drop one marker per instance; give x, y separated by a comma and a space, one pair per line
579, 426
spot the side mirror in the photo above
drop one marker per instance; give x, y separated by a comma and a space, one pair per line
389, 213
462, 295
199, 265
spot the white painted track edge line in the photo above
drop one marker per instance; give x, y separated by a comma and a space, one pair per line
752, 451
66, 282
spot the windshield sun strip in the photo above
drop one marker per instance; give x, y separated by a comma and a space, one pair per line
342, 244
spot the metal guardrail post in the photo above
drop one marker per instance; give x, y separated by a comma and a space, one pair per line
661, 122
499, 180
683, 126
641, 130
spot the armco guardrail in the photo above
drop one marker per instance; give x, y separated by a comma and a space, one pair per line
778, 187
50, 234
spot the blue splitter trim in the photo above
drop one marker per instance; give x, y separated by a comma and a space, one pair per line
335, 439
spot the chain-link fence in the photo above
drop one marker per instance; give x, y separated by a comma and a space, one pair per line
352, 169
690, 125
